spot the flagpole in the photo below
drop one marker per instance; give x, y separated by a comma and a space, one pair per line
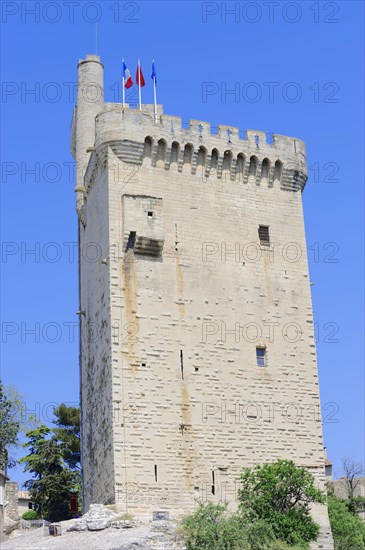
154, 95
123, 91
139, 86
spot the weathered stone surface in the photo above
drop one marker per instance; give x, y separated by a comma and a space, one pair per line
144, 537
96, 519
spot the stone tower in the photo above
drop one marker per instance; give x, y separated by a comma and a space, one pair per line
197, 349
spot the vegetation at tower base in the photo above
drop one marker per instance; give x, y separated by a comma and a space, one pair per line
9, 424
280, 494
53, 459
348, 529
274, 512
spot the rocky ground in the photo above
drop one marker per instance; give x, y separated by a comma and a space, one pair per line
100, 529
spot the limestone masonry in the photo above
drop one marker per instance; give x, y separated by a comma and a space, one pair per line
197, 349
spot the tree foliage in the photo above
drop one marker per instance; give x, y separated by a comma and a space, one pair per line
280, 494
9, 424
348, 530
274, 513
67, 434
211, 527
53, 460
30, 514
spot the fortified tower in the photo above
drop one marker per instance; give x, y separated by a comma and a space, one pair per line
197, 352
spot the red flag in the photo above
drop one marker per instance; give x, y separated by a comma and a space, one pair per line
139, 76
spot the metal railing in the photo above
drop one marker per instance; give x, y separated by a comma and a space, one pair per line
33, 523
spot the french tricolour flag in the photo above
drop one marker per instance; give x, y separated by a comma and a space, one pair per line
128, 82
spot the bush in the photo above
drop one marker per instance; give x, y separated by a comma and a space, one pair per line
355, 504
280, 495
274, 513
348, 530
279, 545
259, 535
30, 514
210, 527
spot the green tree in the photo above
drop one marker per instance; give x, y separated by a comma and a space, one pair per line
67, 434
280, 494
348, 529
53, 480
9, 424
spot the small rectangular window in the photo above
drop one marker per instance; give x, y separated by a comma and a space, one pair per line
261, 357
150, 214
264, 235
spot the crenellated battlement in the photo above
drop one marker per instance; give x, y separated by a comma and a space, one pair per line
169, 144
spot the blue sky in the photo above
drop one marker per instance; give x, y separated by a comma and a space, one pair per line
310, 52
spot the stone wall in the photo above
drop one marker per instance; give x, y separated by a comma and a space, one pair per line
341, 490
11, 511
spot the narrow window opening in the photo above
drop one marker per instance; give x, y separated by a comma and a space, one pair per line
252, 167
264, 235
188, 153
265, 169
261, 357
176, 239
155, 472
131, 240
214, 159
202, 154
227, 160
196, 369
150, 214
174, 152
143, 364
240, 166
147, 147
213, 483
182, 364
161, 152
278, 171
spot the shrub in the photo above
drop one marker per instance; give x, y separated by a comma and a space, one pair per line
355, 504
259, 535
280, 495
279, 545
30, 514
348, 529
210, 527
